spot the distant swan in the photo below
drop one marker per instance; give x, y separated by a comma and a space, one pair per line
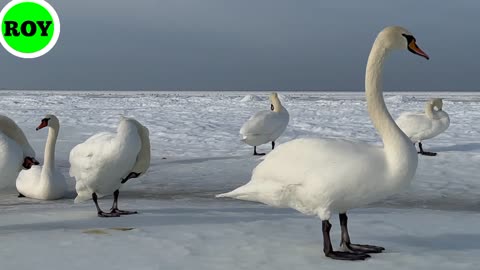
44, 182
106, 160
15, 152
420, 126
265, 126
323, 176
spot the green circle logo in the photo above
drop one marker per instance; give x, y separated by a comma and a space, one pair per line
30, 28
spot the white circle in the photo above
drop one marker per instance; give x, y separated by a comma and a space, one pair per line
56, 30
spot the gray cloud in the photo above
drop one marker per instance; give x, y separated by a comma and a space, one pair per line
274, 44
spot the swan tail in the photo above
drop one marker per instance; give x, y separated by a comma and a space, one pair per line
241, 193
80, 198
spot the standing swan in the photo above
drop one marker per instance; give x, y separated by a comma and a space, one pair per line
265, 126
15, 152
44, 182
323, 176
106, 160
420, 126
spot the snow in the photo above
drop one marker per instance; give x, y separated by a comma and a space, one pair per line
250, 98
197, 154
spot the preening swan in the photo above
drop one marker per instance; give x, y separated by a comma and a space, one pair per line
106, 160
420, 126
15, 152
44, 182
265, 126
325, 176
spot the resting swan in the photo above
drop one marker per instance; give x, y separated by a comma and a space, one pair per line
106, 160
15, 152
44, 182
325, 176
420, 126
265, 126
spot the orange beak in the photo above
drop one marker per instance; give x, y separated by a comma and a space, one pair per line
42, 125
416, 50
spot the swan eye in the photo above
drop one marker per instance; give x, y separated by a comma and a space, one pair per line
45, 120
409, 38
272, 107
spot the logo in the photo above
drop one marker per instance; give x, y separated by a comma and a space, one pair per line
30, 28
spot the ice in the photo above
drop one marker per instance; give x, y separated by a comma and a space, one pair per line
197, 154
250, 98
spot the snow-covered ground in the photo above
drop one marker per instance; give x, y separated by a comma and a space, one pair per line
197, 153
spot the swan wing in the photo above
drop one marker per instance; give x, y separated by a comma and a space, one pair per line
264, 123
307, 174
417, 126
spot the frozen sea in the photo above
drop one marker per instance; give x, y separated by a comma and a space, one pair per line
435, 224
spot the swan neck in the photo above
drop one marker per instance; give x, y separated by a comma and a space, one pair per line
429, 110
381, 118
49, 156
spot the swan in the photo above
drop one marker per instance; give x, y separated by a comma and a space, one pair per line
324, 176
44, 182
265, 126
420, 126
105, 161
15, 152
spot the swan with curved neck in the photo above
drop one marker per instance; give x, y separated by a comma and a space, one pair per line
106, 160
265, 126
44, 182
15, 152
420, 126
324, 176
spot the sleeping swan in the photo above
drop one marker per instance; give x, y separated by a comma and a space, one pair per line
420, 126
44, 182
265, 126
325, 176
15, 152
106, 160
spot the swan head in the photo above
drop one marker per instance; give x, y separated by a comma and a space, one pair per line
437, 102
275, 105
399, 38
49, 120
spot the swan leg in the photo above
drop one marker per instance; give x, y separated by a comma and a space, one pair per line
273, 145
255, 152
423, 152
346, 245
115, 210
99, 211
337, 255
20, 195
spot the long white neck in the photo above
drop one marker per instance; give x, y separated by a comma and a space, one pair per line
49, 156
429, 110
398, 147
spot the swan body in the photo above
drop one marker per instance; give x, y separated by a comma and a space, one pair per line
106, 160
44, 182
420, 126
15, 152
323, 176
266, 126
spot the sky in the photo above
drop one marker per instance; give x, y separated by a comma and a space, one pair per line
249, 45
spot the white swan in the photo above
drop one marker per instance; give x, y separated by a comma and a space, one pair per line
323, 176
15, 152
420, 126
44, 182
106, 160
265, 126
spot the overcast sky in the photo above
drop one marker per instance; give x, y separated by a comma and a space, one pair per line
250, 45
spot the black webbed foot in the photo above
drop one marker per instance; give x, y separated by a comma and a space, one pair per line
356, 248
347, 256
